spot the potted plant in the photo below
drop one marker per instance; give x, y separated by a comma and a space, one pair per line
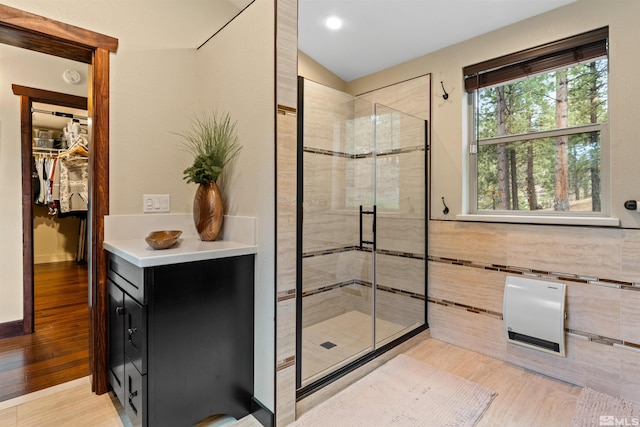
213, 142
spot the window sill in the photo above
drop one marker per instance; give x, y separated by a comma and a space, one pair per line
535, 219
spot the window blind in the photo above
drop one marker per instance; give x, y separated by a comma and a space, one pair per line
571, 50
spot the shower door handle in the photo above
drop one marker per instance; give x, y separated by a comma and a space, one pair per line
373, 228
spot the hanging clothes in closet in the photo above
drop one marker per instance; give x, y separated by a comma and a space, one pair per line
43, 170
61, 176
61, 173
71, 186
61, 180
71, 179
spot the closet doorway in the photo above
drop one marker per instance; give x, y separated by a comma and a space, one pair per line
55, 244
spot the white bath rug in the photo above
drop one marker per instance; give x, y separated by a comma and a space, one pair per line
402, 393
599, 409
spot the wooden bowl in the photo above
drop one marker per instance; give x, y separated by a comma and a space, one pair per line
163, 239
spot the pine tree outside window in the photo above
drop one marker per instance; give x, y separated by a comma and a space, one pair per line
539, 125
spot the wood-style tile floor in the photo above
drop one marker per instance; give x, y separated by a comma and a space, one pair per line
58, 350
74, 405
525, 399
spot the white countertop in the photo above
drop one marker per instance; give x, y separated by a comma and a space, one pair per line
186, 249
124, 236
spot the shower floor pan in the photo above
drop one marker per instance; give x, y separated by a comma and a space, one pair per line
335, 342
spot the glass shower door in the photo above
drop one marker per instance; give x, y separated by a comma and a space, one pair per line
400, 266
337, 271
362, 241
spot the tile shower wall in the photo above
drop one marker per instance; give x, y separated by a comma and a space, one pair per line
468, 264
286, 148
394, 271
393, 306
285, 378
327, 224
338, 178
331, 263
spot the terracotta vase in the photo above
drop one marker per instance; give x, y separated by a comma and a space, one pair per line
207, 211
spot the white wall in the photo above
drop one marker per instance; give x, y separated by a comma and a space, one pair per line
32, 69
448, 117
236, 75
153, 94
312, 70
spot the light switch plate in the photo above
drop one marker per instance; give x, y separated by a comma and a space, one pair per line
156, 203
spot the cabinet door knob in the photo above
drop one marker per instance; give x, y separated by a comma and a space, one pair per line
132, 331
119, 311
133, 394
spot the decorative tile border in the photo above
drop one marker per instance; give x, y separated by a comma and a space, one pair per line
404, 150
465, 307
331, 251
326, 152
363, 249
401, 292
629, 286
384, 153
284, 109
286, 295
599, 339
365, 284
362, 282
400, 254
331, 287
627, 345
284, 364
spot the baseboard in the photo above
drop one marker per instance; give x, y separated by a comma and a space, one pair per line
12, 329
49, 258
261, 413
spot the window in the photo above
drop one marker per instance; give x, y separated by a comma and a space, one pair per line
539, 130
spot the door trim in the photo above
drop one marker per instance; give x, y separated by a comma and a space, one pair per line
41, 34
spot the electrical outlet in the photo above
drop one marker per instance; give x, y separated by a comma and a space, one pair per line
155, 203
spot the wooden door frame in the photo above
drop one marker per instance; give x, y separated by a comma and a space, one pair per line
29, 31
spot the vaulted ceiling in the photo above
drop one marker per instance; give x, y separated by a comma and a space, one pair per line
378, 34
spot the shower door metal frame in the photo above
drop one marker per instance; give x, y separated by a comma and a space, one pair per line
302, 392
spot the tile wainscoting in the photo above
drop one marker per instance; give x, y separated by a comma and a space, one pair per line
468, 264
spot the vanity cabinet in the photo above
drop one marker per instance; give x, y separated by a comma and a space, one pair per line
181, 339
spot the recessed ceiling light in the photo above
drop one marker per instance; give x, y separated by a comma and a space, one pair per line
333, 22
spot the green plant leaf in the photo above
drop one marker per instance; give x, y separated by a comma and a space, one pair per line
213, 142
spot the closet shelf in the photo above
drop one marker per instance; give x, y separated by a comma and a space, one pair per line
46, 150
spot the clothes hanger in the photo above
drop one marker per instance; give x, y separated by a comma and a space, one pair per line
78, 149
78, 146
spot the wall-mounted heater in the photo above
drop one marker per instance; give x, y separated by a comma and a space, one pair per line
534, 314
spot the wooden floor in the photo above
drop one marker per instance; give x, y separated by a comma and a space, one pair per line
525, 399
58, 351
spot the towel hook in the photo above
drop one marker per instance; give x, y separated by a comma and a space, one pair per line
446, 95
446, 208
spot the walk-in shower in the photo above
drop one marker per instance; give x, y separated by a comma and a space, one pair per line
362, 230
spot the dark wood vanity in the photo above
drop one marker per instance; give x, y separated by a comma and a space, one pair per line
181, 339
